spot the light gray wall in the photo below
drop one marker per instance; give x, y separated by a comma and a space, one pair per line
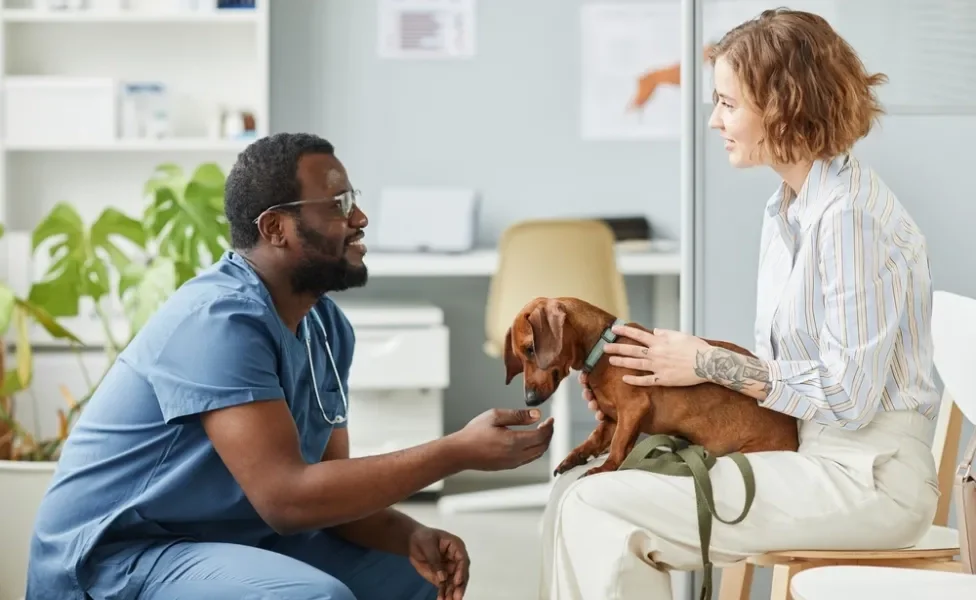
505, 123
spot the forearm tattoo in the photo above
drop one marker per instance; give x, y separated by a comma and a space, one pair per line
732, 370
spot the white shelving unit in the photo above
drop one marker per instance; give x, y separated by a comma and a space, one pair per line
207, 58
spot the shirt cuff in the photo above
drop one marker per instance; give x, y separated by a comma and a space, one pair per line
782, 373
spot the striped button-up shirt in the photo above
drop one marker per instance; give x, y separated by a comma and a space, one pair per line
844, 300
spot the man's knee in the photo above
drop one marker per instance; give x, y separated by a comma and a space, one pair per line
328, 588
325, 589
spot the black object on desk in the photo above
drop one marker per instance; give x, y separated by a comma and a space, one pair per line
629, 228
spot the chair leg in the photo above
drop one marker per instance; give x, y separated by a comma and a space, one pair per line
782, 575
736, 582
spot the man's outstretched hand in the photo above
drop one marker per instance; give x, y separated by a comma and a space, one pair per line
442, 559
487, 444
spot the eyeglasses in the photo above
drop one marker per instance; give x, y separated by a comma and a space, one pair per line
345, 202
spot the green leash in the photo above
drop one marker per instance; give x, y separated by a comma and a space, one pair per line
683, 460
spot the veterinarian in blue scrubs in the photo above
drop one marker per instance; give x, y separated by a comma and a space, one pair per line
212, 462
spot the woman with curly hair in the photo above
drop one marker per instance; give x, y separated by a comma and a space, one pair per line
843, 343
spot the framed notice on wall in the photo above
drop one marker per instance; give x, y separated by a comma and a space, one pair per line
426, 29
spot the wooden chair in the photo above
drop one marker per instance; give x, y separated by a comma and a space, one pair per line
954, 333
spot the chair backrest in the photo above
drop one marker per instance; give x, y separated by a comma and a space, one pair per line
954, 335
954, 340
553, 258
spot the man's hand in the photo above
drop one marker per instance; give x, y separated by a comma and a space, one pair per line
487, 444
442, 559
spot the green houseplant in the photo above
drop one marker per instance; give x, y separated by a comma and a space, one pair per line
119, 261
15, 441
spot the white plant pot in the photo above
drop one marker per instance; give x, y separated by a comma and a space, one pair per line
22, 485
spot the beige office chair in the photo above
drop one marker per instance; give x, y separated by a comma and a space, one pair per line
552, 258
953, 328
545, 258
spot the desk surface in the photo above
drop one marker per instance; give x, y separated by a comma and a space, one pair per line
482, 263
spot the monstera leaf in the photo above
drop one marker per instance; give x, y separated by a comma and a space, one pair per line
19, 378
187, 216
7, 301
145, 288
81, 258
16, 311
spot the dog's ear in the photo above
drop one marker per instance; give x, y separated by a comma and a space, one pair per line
548, 321
513, 365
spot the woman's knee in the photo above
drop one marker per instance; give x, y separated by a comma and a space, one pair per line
575, 516
564, 481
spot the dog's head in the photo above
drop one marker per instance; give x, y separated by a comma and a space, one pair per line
541, 345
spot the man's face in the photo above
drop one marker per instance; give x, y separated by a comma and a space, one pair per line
330, 250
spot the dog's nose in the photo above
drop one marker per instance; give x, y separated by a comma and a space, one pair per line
531, 398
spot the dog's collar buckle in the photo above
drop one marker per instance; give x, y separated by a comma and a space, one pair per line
607, 337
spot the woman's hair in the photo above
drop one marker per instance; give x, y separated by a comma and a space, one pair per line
812, 90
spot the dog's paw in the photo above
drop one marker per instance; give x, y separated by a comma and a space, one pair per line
604, 468
570, 462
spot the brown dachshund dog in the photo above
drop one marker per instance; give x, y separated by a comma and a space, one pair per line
552, 336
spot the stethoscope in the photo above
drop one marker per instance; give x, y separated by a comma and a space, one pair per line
311, 365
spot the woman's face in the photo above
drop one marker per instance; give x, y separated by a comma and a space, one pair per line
737, 122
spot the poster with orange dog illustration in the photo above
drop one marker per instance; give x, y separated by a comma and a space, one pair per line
630, 70
631, 62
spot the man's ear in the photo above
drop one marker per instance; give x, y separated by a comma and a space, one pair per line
513, 366
548, 321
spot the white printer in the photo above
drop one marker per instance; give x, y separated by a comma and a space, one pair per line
438, 220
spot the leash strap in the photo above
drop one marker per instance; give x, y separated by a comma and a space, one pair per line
683, 460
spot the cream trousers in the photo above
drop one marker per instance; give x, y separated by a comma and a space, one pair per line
615, 536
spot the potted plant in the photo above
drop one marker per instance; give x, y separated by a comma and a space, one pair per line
22, 478
125, 267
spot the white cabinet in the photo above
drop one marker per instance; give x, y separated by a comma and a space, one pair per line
400, 358
398, 376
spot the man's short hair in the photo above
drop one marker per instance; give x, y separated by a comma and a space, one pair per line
265, 174
812, 90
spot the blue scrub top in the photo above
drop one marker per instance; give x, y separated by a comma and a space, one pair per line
138, 468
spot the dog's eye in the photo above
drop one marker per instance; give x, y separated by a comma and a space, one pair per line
529, 351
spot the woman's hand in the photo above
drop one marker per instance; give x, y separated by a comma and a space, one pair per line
589, 397
669, 357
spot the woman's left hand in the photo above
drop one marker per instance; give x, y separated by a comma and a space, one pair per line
668, 356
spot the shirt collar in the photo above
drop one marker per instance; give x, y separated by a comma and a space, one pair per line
802, 209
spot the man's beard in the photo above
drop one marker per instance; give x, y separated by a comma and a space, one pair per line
317, 274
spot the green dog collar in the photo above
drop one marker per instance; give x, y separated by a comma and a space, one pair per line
607, 337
